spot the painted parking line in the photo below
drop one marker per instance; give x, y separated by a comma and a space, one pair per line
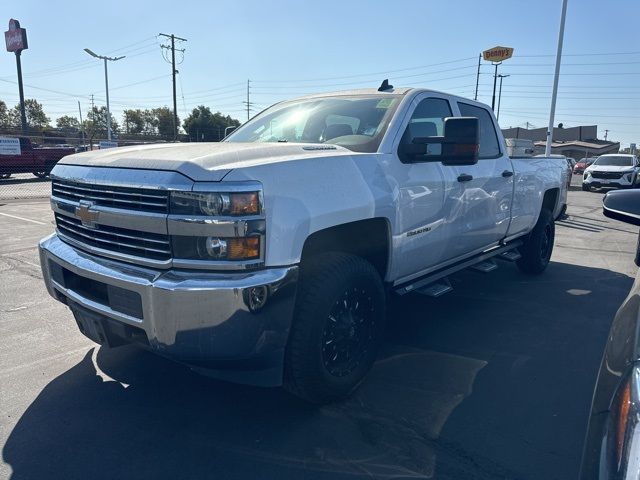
24, 219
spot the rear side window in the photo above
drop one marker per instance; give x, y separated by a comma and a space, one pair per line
489, 147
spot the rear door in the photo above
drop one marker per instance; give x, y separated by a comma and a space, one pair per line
484, 209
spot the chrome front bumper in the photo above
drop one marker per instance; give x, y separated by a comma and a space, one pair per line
211, 321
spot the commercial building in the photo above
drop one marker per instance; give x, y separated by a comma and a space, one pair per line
576, 142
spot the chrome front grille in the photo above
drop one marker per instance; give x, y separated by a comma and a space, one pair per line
122, 241
137, 199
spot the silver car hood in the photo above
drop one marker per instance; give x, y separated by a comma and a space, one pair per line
201, 161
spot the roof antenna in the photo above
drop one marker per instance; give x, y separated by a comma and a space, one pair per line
385, 85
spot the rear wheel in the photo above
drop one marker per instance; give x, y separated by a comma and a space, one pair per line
337, 327
536, 251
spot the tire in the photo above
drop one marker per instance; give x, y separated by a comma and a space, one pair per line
4, 176
337, 327
536, 251
586, 188
42, 173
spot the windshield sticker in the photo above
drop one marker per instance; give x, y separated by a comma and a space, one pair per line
385, 103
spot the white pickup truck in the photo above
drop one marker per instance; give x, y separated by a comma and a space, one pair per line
267, 258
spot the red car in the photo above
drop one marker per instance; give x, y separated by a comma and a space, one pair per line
37, 160
582, 164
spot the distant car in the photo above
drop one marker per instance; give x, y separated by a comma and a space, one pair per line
613, 170
582, 164
612, 444
32, 158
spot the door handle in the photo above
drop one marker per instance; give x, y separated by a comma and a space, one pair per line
465, 177
507, 173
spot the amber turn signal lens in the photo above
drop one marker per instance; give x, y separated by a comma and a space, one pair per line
243, 248
244, 204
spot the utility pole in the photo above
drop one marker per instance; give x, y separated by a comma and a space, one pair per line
556, 78
478, 77
106, 84
81, 122
606, 133
248, 102
495, 79
173, 76
500, 94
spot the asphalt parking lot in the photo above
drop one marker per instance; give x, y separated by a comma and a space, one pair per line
491, 381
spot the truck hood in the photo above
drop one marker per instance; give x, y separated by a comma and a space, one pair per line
202, 161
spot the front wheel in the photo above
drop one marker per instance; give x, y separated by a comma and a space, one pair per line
537, 249
41, 173
337, 327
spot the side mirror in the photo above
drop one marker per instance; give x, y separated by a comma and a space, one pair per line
624, 205
229, 130
458, 146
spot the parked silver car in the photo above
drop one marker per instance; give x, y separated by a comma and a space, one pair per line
612, 444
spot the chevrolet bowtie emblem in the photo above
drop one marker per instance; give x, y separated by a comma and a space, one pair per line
87, 216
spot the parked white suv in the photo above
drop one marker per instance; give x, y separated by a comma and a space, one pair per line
612, 170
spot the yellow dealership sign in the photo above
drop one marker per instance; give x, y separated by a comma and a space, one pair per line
497, 54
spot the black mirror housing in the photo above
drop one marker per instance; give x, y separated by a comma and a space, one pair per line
622, 205
458, 146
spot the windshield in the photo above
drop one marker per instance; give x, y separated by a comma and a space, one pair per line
615, 161
357, 123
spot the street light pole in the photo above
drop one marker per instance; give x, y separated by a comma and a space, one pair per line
106, 84
495, 78
500, 94
556, 77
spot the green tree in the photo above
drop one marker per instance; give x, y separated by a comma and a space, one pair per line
4, 115
96, 123
202, 125
133, 121
164, 118
36, 117
68, 124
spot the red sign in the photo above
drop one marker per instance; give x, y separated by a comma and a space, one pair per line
15, 37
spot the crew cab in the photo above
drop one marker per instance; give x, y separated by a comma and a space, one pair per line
612, 170
32, 159
268, 258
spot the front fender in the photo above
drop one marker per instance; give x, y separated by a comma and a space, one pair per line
304, 196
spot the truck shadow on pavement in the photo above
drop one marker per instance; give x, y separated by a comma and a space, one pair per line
491, 381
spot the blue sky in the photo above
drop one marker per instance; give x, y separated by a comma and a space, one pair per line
288, 48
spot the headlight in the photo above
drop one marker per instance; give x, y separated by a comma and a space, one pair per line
215, 248
624, 439
215, 204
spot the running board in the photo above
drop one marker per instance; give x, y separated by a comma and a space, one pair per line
510, 256
433, 277
484, 267
436, 289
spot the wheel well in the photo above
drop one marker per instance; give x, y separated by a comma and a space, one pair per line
550, 199
368, 239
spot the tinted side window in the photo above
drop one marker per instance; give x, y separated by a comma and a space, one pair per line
489, 147
430, 113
